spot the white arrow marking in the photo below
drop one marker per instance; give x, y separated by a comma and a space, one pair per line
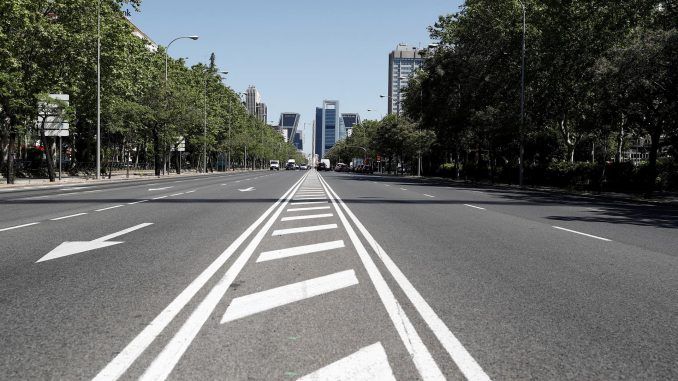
246, 189
75, 247
163, 188
369, 363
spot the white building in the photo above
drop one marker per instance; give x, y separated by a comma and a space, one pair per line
402, 63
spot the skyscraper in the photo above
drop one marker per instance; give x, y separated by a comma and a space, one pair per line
350, 120
329, 127
288, 124
254, 104
402, 63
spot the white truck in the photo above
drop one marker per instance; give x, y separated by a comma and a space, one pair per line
274, 165
291, 164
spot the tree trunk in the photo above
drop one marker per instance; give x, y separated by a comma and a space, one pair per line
156, 151
11, 148
48, 154
620, 144
654, 153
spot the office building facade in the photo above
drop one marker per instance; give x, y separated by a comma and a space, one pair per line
402, 63
288, 124
329, 127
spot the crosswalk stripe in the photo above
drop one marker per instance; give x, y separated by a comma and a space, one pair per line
369, 363
306, 217
300, 250
308, 203
304, 229
276, 297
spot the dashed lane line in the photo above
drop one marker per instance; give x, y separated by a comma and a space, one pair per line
428, 195
584, 234
159, 198
18, 226
65, 217
137, 202
462, 358
307, 217
109, 208
304, 229
300, 250
474, 207
277, 297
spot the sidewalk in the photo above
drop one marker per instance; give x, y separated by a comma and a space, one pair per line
116, 177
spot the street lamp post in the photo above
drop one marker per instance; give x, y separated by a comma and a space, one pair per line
98, 91
521, 165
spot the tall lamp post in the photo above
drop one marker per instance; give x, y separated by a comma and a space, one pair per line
98, 91
521, 165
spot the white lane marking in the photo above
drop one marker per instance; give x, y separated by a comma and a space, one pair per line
422, 358
176, 194
136, 202
309, 208
308, 203
238, 181
193, 191
369, 363
277, 297
75, 247
475, 207
403, 188
299, 250
163, 364
310, 198
584, 234
465, 362
123, 360
163, 188
304, 229
108, 208
246, 189
428, 195
18, 226
72, 188
159, 198
307, 217
65, 217
386, 185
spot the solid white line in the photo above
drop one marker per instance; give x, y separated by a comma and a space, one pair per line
110, 207
422, 358
369, 363
65, 217
18, 226
428, 195
475, 207
159, 198
308, 203
299, 250
584, 234
123, 360
163, 188
136, 202
307, 217
465, 362
176, 194
309, 208
163, 364
276, 297
193, 191
304, 229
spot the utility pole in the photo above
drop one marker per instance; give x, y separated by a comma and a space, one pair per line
521, 163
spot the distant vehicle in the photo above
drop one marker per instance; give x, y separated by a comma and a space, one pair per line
274, 165
341, 167
296, 166
303, 167
291, 164
328, 165
321, 167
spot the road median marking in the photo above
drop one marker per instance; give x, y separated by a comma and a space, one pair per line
128, 355
584, 234
277, 297
461, 357
369, 363
303, 229
307, 217
300, 250
474, 207
109, 208
308, 209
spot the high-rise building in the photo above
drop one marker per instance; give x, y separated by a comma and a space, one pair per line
254, 104
288, 124
350, 120
298, 140
329, 127
402, 63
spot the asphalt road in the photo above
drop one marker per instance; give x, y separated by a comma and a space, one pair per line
299, 275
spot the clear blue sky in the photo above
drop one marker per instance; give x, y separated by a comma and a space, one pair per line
297, 52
